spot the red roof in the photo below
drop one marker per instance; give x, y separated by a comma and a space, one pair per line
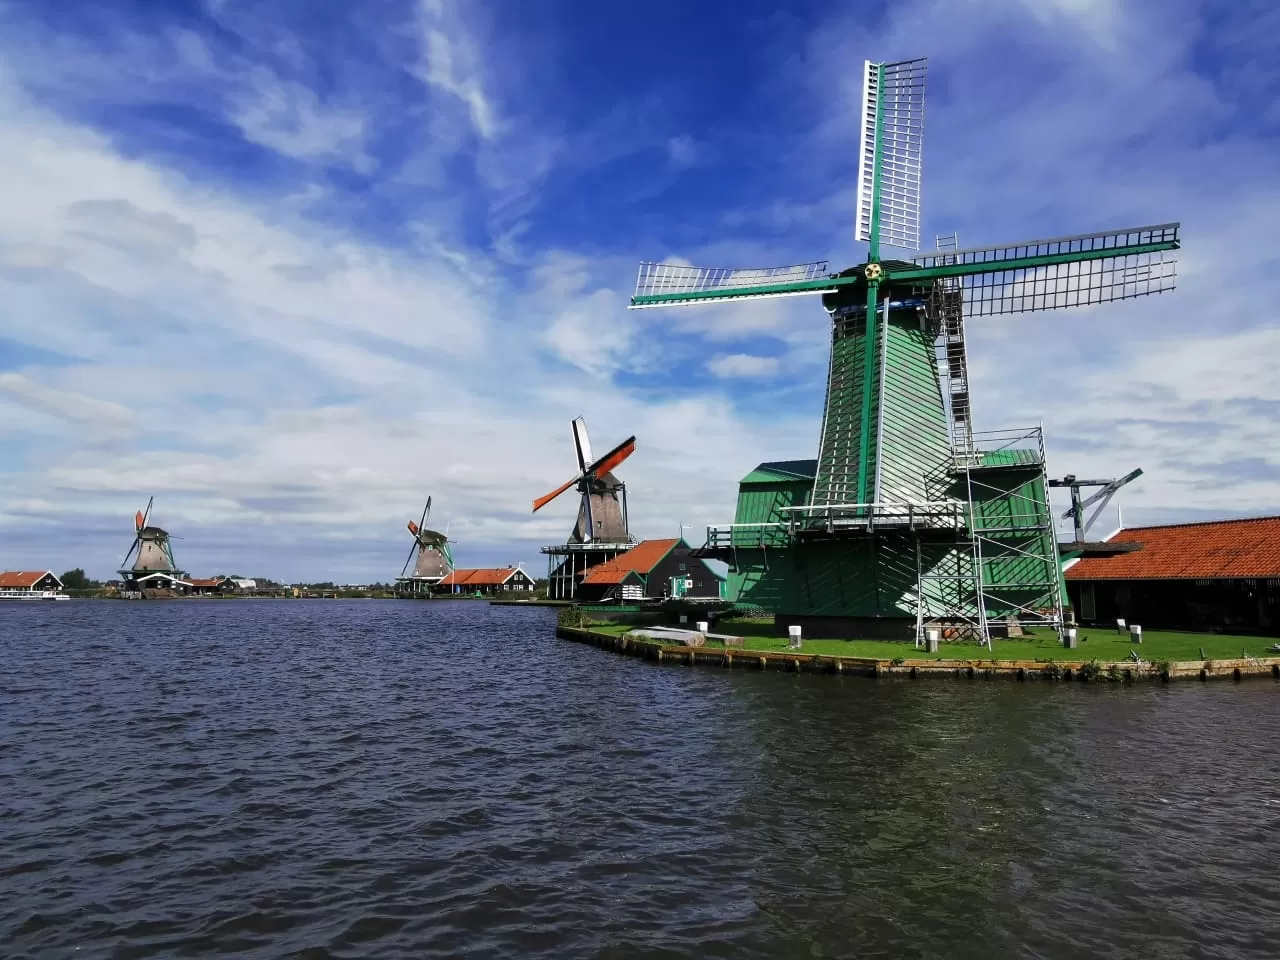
492, 577
205, 581
22, 579
1220, 549
641, 558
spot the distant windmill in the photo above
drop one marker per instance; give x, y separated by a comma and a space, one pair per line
434, 558
602, 517
909, 514
150, 549
601, 531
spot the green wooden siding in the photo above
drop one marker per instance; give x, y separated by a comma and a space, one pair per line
837, 480
911, 432
913, 444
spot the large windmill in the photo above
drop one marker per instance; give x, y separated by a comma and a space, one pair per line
434, 558
601, 531
910, 518
150, 550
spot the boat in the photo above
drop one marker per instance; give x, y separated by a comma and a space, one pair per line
32, 595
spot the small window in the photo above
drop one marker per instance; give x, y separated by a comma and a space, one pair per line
682, 566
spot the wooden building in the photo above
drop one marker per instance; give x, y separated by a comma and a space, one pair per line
486, 581
652, 569
1220, 575
26, 584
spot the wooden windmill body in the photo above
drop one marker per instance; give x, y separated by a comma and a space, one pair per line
601, 531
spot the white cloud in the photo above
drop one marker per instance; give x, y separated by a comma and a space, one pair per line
267, 367
290, 119
451, 64
743, 365
279, 373
65, 404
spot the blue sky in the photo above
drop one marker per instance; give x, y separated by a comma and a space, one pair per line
293, 266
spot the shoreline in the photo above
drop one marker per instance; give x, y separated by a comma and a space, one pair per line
1124, 671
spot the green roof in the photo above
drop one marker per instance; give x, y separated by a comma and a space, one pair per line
1011, 458
782, 471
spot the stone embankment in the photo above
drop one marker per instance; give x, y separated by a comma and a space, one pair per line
662, 649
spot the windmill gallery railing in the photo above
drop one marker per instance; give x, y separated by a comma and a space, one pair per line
882, 517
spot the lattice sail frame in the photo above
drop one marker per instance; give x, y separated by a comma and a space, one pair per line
890, 152
701, 284
1015, 278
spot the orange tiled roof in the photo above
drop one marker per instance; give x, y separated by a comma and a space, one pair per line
21, 579
491, 577
205, 581
1219, 549
641, 558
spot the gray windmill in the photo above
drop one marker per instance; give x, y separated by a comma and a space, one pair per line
601, 531
150, 550
434, 558
909, 522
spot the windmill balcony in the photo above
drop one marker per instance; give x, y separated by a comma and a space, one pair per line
839, 518
1022, 446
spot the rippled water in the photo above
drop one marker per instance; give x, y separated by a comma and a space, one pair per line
398, 779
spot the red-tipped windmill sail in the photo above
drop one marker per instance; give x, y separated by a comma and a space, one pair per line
602, 516
598, 469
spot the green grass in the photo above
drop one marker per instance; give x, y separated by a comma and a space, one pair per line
1096, 644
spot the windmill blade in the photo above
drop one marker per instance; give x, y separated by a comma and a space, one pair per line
611, 459
582, 443
892, 141
413, 528
407, 559
138, 522
547, 498
426, 512
136, 545
147, 513
675, 284
1064, 272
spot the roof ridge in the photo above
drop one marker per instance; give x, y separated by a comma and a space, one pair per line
1201, 523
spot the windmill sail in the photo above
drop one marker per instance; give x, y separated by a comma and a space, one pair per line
890, 152
1072, 271
602, 513
671, 284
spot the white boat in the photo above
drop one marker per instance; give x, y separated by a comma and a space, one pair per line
32, 595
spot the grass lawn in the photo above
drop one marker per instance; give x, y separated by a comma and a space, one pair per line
1095, 644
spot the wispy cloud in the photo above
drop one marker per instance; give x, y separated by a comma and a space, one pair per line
451, 63
65, 404
743, 365
298, 270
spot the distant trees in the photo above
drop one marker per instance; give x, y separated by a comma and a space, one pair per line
76, 580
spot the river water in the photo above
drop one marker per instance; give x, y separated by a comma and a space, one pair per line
399, 779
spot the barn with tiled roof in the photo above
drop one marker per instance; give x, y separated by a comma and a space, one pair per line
485, 580
1221, 574
651, 569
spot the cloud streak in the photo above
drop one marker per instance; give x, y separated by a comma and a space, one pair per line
291, 275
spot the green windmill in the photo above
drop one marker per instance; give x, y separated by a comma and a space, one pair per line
909, 519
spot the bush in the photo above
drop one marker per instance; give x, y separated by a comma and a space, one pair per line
572, 617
